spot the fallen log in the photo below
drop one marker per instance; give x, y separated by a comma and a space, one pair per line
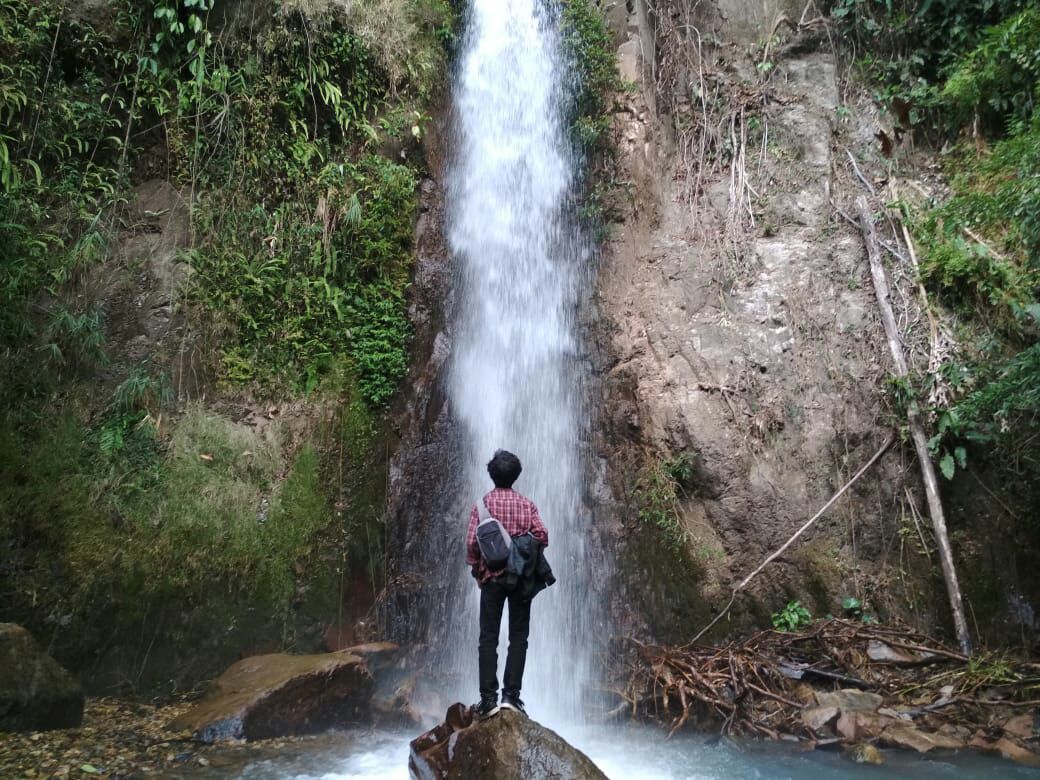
916, 424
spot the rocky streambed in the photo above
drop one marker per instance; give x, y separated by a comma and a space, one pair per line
832, 698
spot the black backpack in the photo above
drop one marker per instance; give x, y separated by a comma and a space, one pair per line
495, 544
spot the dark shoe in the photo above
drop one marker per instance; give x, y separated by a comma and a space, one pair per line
513, 703
486, 708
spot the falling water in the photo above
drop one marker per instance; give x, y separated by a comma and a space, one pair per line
515, 381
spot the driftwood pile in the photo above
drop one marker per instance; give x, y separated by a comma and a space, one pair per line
842, 682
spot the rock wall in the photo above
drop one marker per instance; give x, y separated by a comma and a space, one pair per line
423, 542
735, 331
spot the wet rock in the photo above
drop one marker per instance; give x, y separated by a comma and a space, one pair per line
858, 725
1008, 747
36, 693
1014, 750
906, 736
961, 733
818, 718
1021, 726
1017, 752
284, 695
400, 697
850, 700
866, 754
508, 746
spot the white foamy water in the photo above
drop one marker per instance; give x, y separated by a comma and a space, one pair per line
633, 753
514, 380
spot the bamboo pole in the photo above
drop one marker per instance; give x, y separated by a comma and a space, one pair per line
916, 422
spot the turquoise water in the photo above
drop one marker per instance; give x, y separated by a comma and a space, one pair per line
623, 754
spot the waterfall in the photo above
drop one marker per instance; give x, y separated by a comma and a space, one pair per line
515, 381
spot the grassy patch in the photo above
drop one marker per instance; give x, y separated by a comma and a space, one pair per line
588, 45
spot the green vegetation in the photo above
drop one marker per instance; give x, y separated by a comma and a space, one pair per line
671, 571
948, 70
60, 176
303, 222
793, 617
853, 609
587, 44
106, 525
293, 135
911, 47
657, 493
308, 256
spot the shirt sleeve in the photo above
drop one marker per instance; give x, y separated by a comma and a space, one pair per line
538, 530
472, 548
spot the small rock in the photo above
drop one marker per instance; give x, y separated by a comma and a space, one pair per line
850, 700
1020, 726
904, 736
817, 718
961, 733
859, 725
866, 754
880, 651
891, 713
805, 693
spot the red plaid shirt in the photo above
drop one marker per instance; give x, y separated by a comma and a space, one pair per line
517, 514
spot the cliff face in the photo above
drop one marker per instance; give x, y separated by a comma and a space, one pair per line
738, 370
735, 358
425, 513
742, 371
741, 359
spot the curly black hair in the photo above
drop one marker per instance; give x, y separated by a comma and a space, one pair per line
504, 468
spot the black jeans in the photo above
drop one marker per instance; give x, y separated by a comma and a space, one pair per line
493, 597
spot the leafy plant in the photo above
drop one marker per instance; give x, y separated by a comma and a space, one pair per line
658, 490
792, 617
853, 608
586, 42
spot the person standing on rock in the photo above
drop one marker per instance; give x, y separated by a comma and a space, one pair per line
518, 516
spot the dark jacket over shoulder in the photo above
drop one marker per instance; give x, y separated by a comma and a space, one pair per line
527, 572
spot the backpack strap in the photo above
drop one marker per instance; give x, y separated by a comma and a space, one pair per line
482, 511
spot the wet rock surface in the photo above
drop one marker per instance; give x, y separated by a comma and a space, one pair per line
283, 695
36, 693
507, 746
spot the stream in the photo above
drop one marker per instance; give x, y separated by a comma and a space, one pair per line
631, 753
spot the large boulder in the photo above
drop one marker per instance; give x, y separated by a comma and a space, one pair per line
508, 746
284, 695
36, 693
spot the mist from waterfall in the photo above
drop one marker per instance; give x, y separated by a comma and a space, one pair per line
515, 380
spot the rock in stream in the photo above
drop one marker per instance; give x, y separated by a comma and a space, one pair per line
286, 695
507, 746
